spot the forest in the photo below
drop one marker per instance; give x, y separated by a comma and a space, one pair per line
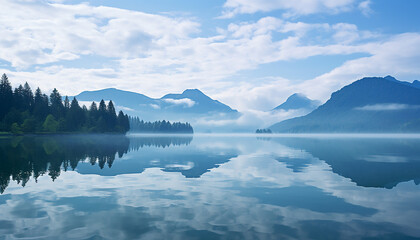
22, 111
137, 125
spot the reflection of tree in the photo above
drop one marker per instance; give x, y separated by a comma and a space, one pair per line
23, 157
159, 141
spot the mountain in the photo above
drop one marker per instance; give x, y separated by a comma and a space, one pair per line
187, 106
200, 103
416, 84
297, 101
368, 105
124, 98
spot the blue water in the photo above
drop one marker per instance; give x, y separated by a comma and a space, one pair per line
210, 187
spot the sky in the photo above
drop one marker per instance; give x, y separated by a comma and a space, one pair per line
249, 54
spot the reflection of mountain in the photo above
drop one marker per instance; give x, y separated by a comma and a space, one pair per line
23, 157
189, 161
368, 162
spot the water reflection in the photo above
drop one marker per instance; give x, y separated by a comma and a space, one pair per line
26, 157
217, 188
368, 162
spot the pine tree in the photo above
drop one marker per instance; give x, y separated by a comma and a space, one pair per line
6, 96
57, 107
41, 109
66, 103
111, 119
28, 97
18, 98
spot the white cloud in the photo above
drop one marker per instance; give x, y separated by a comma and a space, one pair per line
156, 55
155, 106
42, 32
364, 7
386, 107
125, 108
249, 120
292, 8
186, 102
396, 56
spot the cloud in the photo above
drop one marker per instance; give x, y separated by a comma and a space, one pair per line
155, 106
396, 56
291, 8
186, 102
125, 108
364, 7
155, 55
249, 120
386, 107
42, 32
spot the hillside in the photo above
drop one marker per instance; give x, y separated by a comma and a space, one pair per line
368, 105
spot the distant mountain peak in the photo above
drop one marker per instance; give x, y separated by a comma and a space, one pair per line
192, 90
391, 78
297, 101
416, 84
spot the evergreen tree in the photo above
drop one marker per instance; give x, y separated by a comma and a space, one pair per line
6, 96
102, 109
75, 116
18, 98
28, 98
111, 117
66, 103
41, 109
57, 107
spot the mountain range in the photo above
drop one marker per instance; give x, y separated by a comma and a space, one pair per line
371, 104
169, 107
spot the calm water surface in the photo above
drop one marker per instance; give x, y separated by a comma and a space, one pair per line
209, 187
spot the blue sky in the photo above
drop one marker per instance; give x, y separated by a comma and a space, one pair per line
250, 54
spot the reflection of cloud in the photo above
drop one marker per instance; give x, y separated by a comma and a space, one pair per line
387, 107
385, 159
187, 166
162, 205
183, 101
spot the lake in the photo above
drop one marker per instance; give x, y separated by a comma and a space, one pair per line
210, 187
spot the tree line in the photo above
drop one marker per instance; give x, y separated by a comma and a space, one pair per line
141, 126
22, 111
263, 131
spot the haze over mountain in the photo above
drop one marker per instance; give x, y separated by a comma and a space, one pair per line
371, 104
190, 106
298, 101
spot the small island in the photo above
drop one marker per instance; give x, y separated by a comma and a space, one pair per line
263, 131
22, 111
